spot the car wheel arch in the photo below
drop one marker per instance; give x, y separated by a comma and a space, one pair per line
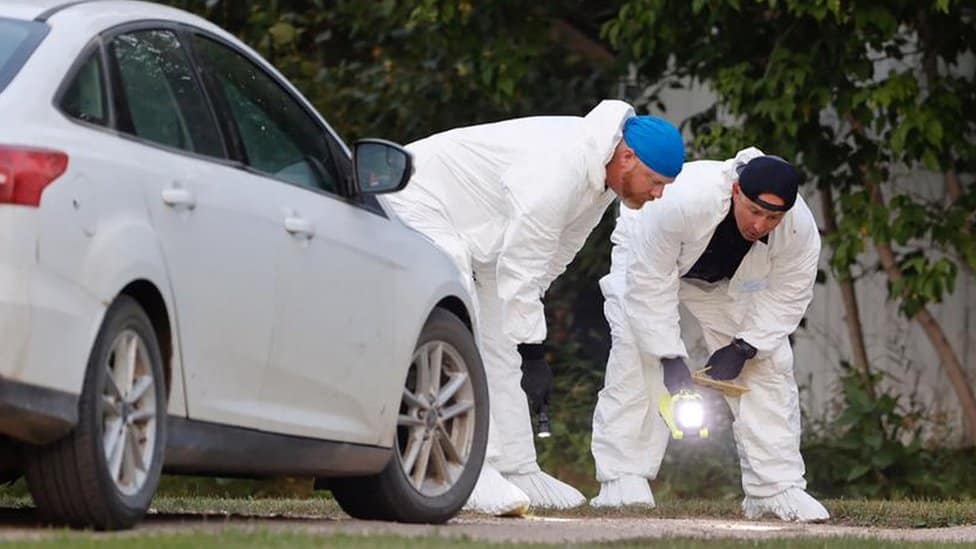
394, 494
154, 304
455, 306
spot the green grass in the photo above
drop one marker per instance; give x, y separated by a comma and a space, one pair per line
241, 538
903, 514
875, 513
273, 539
297, 508
207, 516
833, 543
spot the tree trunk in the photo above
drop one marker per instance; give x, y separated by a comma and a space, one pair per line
954, 192
933, 330
952, 186
852, 313
562, 32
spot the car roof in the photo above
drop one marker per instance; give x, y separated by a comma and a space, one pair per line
29, 9
77, 10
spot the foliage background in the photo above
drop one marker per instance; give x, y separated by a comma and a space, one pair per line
798, 74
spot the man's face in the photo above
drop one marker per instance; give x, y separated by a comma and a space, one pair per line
753, 220
633, 181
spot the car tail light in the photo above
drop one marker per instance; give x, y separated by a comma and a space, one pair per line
26, 171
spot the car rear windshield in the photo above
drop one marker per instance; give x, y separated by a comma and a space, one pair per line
17, 41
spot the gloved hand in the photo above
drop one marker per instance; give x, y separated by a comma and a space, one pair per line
676, 374
536, 376
727, 362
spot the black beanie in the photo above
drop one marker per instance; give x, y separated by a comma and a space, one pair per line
773, 175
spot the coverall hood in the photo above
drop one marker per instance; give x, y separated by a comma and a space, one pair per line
603, 128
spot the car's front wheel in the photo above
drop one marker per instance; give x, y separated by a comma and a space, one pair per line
442, 432
105, 472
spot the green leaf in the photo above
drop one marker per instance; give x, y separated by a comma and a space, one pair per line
857, 472
934, 131
834, 7
874, 440
282, 33
506, 85
883, 459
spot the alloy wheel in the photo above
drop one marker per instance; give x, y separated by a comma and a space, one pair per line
128, 412
436, 425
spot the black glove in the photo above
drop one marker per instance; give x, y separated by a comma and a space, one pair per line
536, 375
727, 362
676, 375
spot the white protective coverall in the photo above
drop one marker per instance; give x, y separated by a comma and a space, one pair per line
512, 202
762, 304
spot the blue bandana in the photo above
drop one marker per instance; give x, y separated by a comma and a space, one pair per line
657, 142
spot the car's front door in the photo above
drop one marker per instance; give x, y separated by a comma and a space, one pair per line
334, 316
218, 233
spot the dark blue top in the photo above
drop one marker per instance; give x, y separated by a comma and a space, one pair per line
723, 254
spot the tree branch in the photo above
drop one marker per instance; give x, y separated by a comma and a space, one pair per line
952, 186
852, 314
933, 330
573, 39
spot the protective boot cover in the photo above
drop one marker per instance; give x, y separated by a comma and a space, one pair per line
547, 491
493, 495
626, 490
792, 505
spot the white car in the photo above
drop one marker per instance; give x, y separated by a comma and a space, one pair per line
197, 277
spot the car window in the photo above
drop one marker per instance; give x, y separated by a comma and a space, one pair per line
280, 138
17, 41
165, 102
84, 98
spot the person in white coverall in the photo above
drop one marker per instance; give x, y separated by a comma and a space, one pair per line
739, 248
511, 203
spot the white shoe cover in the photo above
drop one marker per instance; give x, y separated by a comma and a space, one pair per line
546, 491
793, 505
626, 490
493, 495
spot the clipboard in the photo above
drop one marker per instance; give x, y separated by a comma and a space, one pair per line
730, 389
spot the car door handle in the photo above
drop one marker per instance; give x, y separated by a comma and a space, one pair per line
299, 226
178, 196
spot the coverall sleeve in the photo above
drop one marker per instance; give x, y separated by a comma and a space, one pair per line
778, 308
572, 240
652, 279
542, 194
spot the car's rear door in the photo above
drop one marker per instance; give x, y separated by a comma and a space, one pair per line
218, 231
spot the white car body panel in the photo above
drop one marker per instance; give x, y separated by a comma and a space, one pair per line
332, 319
220, 256
18, 229
27, 9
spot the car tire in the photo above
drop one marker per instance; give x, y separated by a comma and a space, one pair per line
436, 487
70, 479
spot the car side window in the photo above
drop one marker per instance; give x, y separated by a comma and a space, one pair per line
165, 103
279, 137
85, 97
